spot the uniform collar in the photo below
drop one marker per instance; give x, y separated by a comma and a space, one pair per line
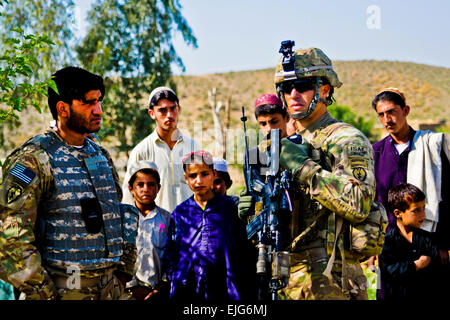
325, 120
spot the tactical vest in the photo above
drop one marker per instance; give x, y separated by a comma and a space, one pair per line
62, 236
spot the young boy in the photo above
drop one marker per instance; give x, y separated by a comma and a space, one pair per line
144, 185
410, 262
270, 114
223, 181
204, 251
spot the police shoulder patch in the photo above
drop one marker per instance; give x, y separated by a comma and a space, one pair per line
14, 193
360, 173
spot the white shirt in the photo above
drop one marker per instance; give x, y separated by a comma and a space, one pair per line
174, 189
401, 147
150, 243
425, 171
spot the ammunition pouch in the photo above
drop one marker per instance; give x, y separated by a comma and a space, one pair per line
91, 214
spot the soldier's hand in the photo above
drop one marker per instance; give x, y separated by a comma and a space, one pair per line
245, 206
293, 156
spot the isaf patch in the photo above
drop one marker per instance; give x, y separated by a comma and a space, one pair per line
357, 156
357, 151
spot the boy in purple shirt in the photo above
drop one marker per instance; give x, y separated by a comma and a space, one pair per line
204, 255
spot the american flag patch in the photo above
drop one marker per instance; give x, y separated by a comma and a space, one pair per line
22, 173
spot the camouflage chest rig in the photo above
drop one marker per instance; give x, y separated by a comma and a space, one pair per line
80, 175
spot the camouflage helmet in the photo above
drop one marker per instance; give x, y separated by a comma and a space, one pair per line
311, 62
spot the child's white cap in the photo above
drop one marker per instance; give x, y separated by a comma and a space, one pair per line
142, 164
220, 164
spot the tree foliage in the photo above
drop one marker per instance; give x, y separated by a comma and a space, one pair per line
130, 43
16, 68
54, 18
344, 114
34, 40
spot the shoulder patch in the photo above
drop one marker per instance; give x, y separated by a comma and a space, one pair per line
14, 193
360, 173
357, 151
22, 173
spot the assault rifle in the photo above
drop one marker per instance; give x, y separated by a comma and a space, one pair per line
272, 206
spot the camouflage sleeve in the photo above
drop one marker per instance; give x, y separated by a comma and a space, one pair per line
25, 180
348, 187
114, 172
130, 220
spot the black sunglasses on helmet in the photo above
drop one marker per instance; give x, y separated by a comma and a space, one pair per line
300, 85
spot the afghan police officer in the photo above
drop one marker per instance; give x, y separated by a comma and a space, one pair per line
333, 180
63, 232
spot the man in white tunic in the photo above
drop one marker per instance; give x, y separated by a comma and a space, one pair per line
166, 147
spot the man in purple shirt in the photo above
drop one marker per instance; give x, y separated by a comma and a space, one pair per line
391, 162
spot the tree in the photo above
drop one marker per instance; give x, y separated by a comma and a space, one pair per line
35, 42
129, 42
54, 18
343, 113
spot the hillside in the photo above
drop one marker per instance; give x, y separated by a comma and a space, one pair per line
427, 91
427, 88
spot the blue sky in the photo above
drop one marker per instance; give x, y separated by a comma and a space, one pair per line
235, 35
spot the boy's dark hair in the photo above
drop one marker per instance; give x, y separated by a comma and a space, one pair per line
149, 171
198, 157
163, 94
72, 83
388, 96
267, 109
401, 196
225, 176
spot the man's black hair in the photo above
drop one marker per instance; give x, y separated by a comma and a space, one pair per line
388, 96
267, 109
150, 171
163, 94
72, 83
403, 195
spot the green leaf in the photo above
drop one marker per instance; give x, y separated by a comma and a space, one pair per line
52, 84
37, 106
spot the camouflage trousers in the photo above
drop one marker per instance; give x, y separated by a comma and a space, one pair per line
107, 287
114, 290
307, 281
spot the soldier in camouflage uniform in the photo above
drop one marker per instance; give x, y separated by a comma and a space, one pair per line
333, 179
63, 232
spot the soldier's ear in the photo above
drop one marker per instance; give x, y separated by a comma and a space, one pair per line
63, 109
324, 91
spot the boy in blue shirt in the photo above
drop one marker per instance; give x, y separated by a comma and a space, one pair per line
204, 255
144, 185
